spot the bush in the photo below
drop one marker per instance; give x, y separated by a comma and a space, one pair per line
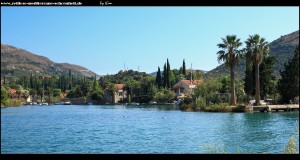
290, 148
13, 103
239, 108
200, 103
222, 107
187, 107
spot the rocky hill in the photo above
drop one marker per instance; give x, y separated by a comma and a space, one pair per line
16, 62
282, 48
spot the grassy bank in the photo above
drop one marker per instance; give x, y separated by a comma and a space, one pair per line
12, 103
221, 107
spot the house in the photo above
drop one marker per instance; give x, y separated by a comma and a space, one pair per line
13, 95
185, 87
119, 95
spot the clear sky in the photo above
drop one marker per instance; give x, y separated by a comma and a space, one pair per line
103, 38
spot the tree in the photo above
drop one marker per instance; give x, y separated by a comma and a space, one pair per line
258, 48
231, 55
26, 94
153, 90
19, 91
267, 79
168, 74
50, 93
41, 93
249, 83
112, 90
208, 91
86, 88
164, 78
172, 78
4, 96
183, 68
56, 92
225, 81
158, 78
97, 94
288, 85
164, 95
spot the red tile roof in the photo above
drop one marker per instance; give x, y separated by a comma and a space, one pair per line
12, 91
119, 86
195, 82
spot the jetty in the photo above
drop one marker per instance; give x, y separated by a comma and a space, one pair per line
276, 108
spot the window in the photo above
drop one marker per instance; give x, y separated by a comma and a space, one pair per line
120, 93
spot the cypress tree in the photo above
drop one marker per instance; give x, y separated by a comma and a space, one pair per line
164, 78
69, 80
31, 81
266, 76
183, 68
288, 85
158, 78
168, 74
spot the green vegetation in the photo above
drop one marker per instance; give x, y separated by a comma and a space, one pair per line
164, 96
267, 79
222, 94
257, 49
282, 48
231, 55
4, 96
288, 85
291, 147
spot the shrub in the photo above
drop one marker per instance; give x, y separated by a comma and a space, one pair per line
239, 108
222, 107
13, 103
290, 148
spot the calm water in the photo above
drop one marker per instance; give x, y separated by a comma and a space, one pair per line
141, 129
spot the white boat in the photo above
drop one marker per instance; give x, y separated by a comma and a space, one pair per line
67, 103
134, 103
152, 102
59, 103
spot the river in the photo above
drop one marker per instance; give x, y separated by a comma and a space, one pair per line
142, 129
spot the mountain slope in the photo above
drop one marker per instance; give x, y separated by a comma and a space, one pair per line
282, 48
17, 62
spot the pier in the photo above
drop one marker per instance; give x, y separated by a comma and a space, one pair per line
276, 108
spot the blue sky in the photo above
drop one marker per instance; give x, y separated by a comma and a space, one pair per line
103, 38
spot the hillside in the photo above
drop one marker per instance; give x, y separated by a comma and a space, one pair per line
282, 48
17, 62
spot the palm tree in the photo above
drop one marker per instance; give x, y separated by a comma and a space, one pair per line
112, 91
230, 54
258, 48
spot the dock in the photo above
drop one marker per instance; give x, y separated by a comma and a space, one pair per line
276, 108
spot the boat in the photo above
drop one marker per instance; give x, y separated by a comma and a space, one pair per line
59, 103
134, 103
152, 102
67, 103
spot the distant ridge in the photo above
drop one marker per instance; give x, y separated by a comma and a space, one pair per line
17, 62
